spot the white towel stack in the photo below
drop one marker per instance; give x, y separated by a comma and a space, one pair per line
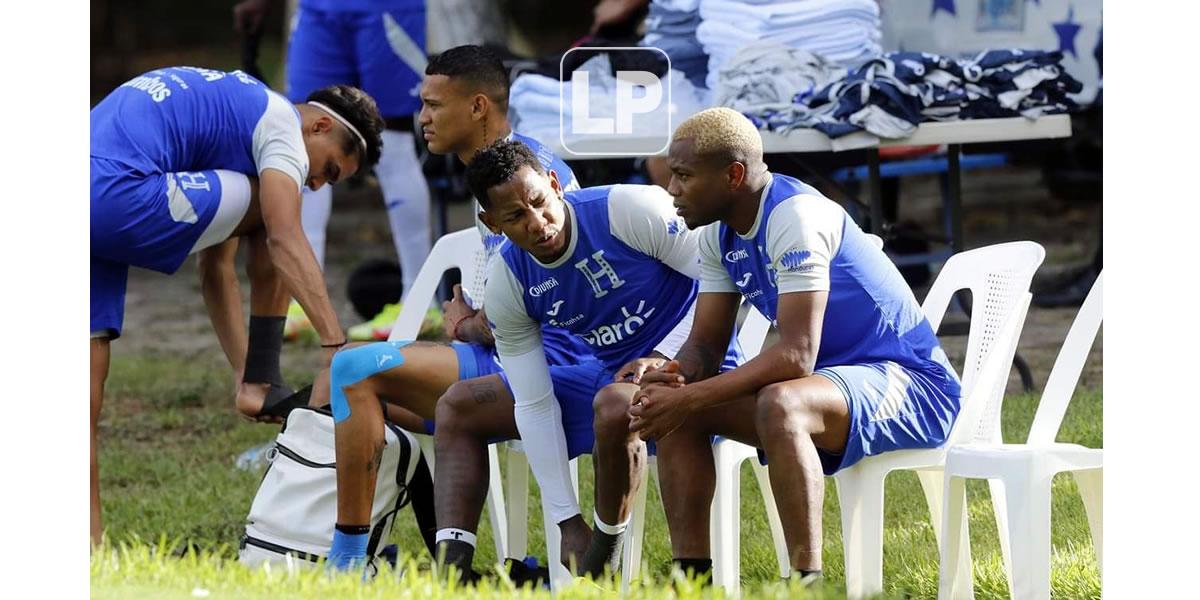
844, 32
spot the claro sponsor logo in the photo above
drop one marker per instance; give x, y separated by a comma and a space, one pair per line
606, 335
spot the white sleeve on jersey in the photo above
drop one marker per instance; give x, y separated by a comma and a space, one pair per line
643, 217
536, 411
539, 420
713, 276
669, 346
803, 235
515, 331
278, 143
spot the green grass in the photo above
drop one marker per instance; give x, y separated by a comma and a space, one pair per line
170, 437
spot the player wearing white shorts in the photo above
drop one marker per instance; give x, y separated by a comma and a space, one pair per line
184, 159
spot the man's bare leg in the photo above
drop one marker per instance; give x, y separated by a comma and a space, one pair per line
427, 371
687, 476
99, 373
468, 415
793, 419
471, 413
789, 420
419, 377
268, 305
619, 458
358, 444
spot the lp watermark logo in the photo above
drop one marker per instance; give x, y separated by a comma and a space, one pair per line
616, 103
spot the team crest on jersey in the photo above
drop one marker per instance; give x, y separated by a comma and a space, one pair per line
605, 272
676, 226
793, 261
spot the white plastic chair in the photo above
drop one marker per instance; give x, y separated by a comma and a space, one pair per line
1027, 470
751, 335
462, 250
998, 277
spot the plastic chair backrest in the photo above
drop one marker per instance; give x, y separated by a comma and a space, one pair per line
1064, 376
998, 277
462, 250
753, 333
978, 419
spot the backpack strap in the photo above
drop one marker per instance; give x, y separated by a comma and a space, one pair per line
384, 524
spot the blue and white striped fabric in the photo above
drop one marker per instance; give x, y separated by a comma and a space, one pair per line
890, 95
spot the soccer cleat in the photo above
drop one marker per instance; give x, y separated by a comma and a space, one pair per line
379, 328
297, 327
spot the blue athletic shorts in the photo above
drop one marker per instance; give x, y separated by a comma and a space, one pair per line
892, 407
383, 53
575, 385
153, 221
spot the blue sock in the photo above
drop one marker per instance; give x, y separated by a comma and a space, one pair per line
348, 550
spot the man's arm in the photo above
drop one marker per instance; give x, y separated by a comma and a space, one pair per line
702, 353
536, 411
223, 300
293, 256
800, 316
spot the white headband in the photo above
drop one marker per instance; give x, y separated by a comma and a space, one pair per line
340, 119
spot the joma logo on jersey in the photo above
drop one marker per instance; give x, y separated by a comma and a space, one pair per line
606, 335
595, 277
736, 255
543, 287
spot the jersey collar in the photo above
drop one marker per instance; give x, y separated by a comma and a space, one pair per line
762, 202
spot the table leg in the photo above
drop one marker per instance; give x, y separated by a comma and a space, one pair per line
876, 191
954, 201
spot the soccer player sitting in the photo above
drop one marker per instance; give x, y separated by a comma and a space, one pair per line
857, 369
464, 108
184, 159
613, 266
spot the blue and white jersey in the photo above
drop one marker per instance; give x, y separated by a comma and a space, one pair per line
182, 119
802, 242
562, 347
626, 280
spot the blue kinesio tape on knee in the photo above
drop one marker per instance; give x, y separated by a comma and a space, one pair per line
356, 364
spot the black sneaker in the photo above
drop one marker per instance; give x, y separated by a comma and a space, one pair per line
522, 573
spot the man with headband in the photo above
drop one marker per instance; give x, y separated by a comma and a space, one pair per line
186, 160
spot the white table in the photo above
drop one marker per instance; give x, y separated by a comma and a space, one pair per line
952, 133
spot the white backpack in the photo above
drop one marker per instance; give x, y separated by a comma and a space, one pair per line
296, 506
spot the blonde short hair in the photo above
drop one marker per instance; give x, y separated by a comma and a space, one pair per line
722, 132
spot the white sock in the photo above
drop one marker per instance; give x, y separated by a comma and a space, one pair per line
314, 216
458, 535
617, 529
406, 196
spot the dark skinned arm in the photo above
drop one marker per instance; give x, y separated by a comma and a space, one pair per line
666, 399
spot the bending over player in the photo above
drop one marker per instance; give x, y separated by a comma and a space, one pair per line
184, 159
